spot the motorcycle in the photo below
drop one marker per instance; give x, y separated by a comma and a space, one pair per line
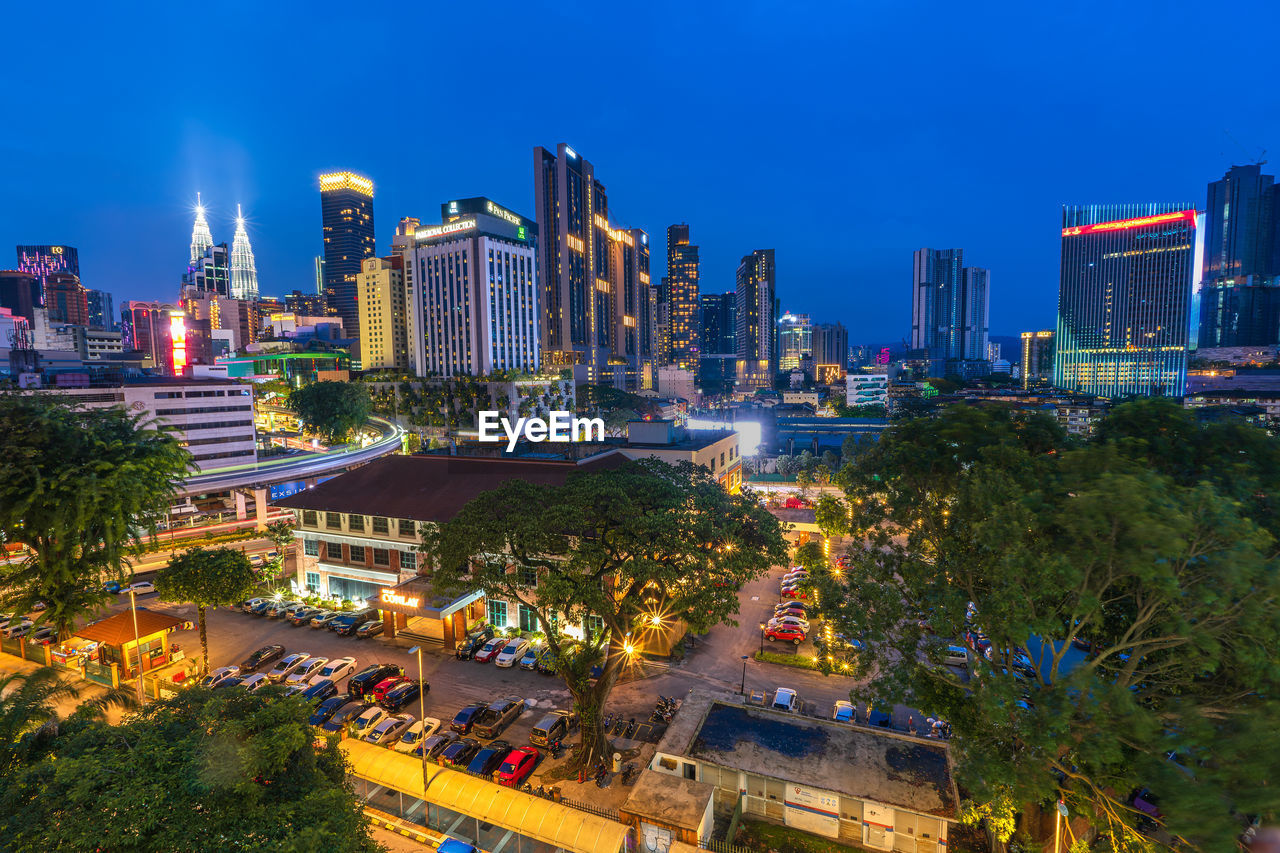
630, 729
608, 721
555, 749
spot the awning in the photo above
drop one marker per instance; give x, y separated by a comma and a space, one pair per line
415, 597
535, 817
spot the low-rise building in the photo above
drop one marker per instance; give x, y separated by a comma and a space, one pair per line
715, 450
867, 389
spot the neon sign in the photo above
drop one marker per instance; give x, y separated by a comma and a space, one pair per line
447, 228
178, 337
390, 597
1125, 224
501, 212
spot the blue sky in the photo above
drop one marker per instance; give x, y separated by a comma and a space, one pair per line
843, 135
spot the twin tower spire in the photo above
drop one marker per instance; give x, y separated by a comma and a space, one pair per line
243, 273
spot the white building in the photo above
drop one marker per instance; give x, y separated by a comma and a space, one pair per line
474, 292
674, 381
867, 389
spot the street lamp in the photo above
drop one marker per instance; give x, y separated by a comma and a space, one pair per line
762, 627
743, 689
137, 646
422, 715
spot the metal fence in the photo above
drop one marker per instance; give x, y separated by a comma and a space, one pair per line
722, 846
610, 814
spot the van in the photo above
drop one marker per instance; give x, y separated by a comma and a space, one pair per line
955, 655
554, 727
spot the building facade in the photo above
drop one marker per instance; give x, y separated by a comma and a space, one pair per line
950, 307
211, 272
346, 216
1037, 358
681, 289
719, 323
384, 341
795, 340
756, 330
102, 311
867, 389
243, 269
66, 299
21, 292
1124, 299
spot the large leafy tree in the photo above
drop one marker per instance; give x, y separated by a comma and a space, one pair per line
1130, 615
204, 770
207, 578
80, 489
641, 548
332, 410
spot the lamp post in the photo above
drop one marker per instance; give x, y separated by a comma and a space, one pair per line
137, 646
1059, 814
762, 627
743, 688
422, 715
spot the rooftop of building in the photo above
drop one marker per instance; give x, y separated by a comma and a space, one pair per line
669, 800
430, 487
120, 629
870, 764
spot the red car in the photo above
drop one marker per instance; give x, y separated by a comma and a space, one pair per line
796, 592
382, 687
788, 633
491, 649
518, 765
791, 608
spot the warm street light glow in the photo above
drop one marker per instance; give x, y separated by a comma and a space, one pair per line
629, 649
655, 620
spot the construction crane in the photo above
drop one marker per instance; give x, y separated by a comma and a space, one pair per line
1260, 160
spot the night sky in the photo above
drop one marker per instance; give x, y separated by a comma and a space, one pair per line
844, 140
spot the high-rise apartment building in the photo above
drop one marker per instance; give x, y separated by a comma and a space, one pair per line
22, 293
211, 272
757, 318
795, 340
383, 333
474, 298
66, 299
46, 260
1124, 298
102, 311
595, 292
681, 287
1037, 358
305, 304
1237, 302
950, 307
719, 323
830, 347
346, 212
243, 271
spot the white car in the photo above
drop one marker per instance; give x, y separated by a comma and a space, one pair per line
17, 628
367, 721
288, 664
955, 656
416, 734
335, 670
511, 652
139, 588
843, 712
255, 682
785, 699
798, 621
219, 675
306, 671
390, 729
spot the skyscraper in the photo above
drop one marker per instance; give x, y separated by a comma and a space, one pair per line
950, 305
66, 299
795, 340
43, 261
830, 347
211, 272
1239, 295
102, 311
244, 274
346, 211
383, 332
201, 237
1123, 299
719, 322
757, 318
588, 287
681, 282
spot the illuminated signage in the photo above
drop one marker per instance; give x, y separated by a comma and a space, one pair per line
283, 490
447, 228
57, 250
390, 596
1125, 224
178, 337
522, 233
501, 212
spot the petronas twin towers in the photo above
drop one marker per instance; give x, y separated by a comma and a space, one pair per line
243, 273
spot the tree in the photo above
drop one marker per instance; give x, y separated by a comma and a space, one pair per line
1130, 620
81, 489
203, 770
642, 548
831, 515
332, 410
787, 466
281, 535
207, 579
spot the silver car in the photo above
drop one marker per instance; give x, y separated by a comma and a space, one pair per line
390, 729
287, 665
305, 671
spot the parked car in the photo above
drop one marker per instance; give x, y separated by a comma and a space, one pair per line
380, 689
547, 661
324, 617
347, 623
953, 655
139, 588
843, 712
369, 629
365, 723
44, 635
786, 633
286, 609
345, 714
473, 641
497, 716
287, 665
797, 592
335, 670
490, 650
466, 718
327, 708
248, 606
112, 587
262, 657
785, 699
554, 727
255, 682
389, 730
796, 608
511, 652
219, 675
402, 695
797, 621
319, 692
261, 608
517, 766
414, 736
233, 681
17, 628
366, 679
304, 615
304, 673
529, 660
460, 752
435, 744
489, 758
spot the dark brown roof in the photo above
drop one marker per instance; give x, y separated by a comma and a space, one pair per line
118, 630
432, 488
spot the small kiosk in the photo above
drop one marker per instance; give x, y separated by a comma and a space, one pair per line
119, 644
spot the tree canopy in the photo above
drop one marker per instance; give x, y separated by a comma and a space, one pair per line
1127, 588
203, 770
206, 579
642, 548
332, 410
81, 487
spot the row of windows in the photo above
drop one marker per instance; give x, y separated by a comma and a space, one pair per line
357, 554
204, 410
380, 524
215, 425
176, 395
226, 439
199, 457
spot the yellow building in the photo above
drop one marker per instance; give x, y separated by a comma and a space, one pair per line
384, 334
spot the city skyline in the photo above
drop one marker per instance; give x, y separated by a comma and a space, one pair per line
928, 191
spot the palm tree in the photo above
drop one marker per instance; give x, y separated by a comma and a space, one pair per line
29, 715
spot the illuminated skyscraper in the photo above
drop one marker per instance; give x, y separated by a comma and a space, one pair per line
681, 289
201, 237
757, 319
950, 305
795, 340
244, 275
346, 210
1037, 358
1124, 298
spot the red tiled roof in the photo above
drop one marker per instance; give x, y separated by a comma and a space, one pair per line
118, 630
432, 488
